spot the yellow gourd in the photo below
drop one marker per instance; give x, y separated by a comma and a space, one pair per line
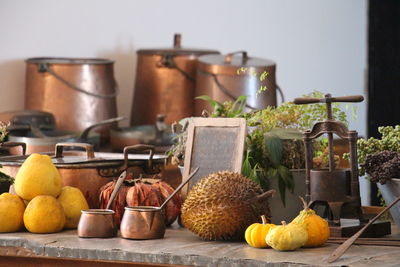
317, 227
287, 237
255, 234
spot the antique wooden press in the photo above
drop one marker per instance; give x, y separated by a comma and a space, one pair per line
333, 188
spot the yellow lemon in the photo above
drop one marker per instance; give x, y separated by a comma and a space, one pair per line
37, 176
11, 213
44, 214
73, 201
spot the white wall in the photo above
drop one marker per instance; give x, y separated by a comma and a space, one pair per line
318, 45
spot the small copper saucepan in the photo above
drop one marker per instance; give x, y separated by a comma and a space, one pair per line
100, 222
147, 222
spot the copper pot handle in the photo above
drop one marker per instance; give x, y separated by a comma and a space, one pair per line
88, 148
138, 147
15, 144
228, 57
44, 67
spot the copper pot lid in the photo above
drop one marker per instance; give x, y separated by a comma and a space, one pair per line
232, 63
177, 49
69, 61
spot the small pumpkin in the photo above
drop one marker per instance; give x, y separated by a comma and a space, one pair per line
317, 227
287, 236
255, 234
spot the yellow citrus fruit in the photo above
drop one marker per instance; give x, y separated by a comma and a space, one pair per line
11, 213
44, 214
73, 201
37, 176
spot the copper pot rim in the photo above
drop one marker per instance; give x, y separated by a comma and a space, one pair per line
69, 61
143, 208
98, 211
324, 170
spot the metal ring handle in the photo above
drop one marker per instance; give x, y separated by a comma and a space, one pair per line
225, 90
138, 147
44, 67
15, 144
278, 88
228, 57
167, 61
88, 148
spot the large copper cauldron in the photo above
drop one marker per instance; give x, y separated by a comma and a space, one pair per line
79, 92
165, 83
225, 78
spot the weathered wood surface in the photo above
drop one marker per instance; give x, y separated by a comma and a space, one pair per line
180, 247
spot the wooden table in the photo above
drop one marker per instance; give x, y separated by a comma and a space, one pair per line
179, 248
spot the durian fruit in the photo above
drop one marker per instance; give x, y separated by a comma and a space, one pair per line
223, 204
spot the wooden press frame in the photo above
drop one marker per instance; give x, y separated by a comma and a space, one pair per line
239, 123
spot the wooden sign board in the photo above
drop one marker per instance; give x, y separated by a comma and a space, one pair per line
213, 144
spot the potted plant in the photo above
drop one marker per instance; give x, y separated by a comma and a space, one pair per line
380, 159
275, 150
5, 180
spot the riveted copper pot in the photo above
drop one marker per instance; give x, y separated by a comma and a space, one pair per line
226, 77
165, 83
78, 91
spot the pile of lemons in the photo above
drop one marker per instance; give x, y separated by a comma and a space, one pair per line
41, 204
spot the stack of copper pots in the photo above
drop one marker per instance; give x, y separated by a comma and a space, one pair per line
169, 79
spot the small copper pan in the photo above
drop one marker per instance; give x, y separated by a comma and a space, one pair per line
100, 222
142, 222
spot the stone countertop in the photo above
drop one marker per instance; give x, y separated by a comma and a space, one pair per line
181, 247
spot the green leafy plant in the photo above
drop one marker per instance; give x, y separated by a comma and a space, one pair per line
262, 77
274, 143
228, 109
4, 178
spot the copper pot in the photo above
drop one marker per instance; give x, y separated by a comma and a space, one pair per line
87, 170
100, 222
78, 91
165, 83
148, 222
226, 77
159, 135
97, 223
39, 140
143, 223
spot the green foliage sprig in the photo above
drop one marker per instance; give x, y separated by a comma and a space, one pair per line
4, 178
228, 109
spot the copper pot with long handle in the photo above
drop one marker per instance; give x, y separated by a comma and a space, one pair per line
100, 222
165, 82
148, 222
78, 91
38, 140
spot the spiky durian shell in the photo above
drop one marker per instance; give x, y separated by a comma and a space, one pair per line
222, 205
